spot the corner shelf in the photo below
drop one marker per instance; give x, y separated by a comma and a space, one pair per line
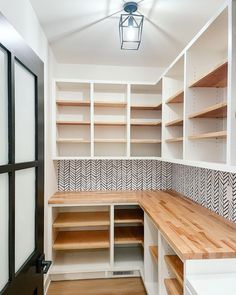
128, 216
64, 122
176, 98
129, 235
216, 111
176, 266
177, 122
154, 253
83, 219
110, 104
176, 139
210, 135
173, 287
72, 103
147, 107
216, 77
93, 239
72, 140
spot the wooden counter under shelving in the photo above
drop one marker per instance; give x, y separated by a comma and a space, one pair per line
145, 123
176, 266
210, 135
120, 104
147, 107
176, 98
72, 103
216, 77
65, 122
218, 110
154, 253
175, 139
177, 122
173, 287
81, 219
79, 240
128, 216
125, 235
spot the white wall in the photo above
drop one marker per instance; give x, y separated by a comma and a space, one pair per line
102, 72
22, 16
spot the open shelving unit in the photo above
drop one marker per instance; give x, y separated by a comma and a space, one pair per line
173, 97
207, 94
146, 120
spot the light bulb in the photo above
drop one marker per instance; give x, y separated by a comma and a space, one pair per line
130, 33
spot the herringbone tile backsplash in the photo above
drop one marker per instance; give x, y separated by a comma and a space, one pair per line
204, 186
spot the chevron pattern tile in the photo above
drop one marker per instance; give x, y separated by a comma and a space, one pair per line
206, 187
92, 175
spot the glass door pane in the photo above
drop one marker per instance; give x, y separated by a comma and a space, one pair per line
24, 114
3, 108
24, 216
4, 232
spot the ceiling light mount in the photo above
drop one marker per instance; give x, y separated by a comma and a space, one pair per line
130, 7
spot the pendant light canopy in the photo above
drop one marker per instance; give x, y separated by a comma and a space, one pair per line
131, 26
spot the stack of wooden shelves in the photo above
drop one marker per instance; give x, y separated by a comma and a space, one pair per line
146, 110
110, 120
174, 286
128, 235
173, 95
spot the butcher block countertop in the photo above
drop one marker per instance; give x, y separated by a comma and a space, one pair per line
191, 230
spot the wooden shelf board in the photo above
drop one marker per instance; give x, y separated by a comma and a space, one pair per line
107, 123
73, 123
218, 134
146, 141
154, 253
77, 219
145, 123
72, 103
110, 140
176, 98
79, 240
173, 287
218, 110
176, 266
176, 139
177, 122
147, 107
128, 216
128, 235
72, 140
110, 104
216, 77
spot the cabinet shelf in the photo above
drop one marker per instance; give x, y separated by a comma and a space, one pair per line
77, 219
216, 111
107, 123
73, 122
110, 140
72, 140
129, 235
72, 103
147, 107
128, 216
154, 253
173, 287
120, 104
218, 134
177, 122
151, 141
176, 266
176, 98
82, 240
145, 123
176, 139
216, 77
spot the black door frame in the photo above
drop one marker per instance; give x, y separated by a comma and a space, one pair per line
18, 50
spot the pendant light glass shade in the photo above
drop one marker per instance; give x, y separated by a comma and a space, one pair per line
131, 26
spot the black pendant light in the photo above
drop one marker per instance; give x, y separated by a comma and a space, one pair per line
131, 26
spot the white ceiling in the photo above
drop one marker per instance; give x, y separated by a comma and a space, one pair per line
81, 31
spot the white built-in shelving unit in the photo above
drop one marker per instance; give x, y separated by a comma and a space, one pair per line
182, 118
